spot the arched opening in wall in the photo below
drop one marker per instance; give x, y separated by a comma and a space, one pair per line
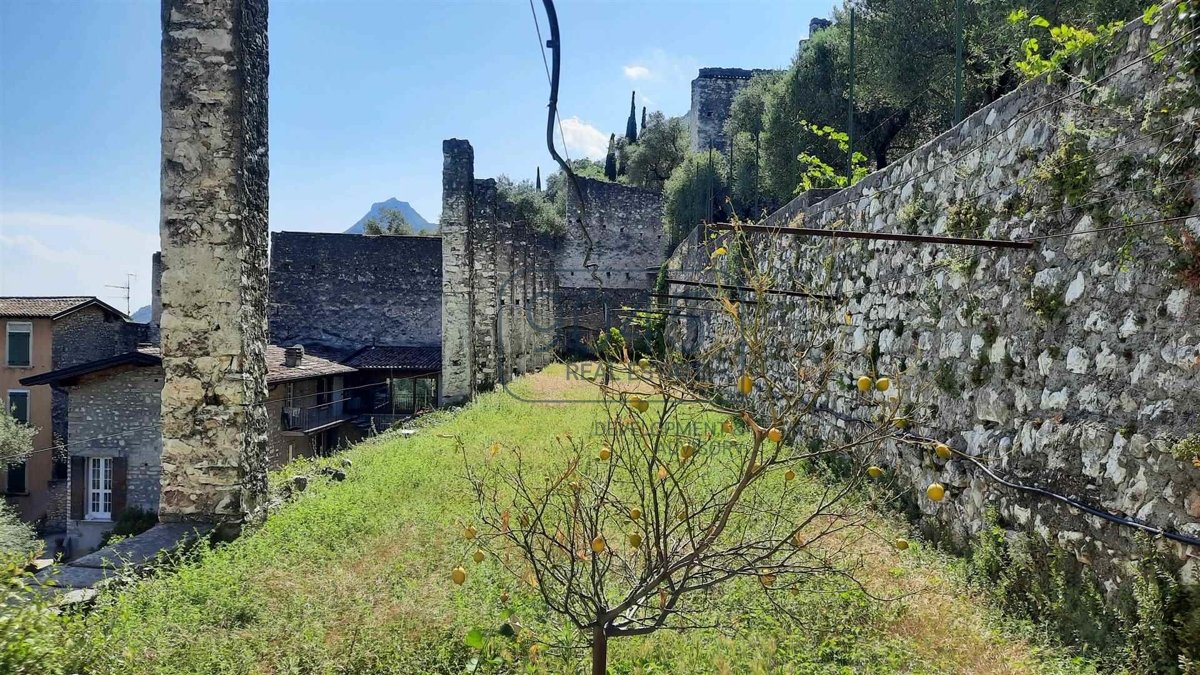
575, 341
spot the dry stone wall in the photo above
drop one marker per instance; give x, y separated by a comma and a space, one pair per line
214, 255
1074, 366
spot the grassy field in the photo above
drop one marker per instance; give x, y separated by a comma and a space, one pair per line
353, 577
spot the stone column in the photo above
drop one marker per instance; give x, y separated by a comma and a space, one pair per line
458, 182
504, 281
483, 246
155, 298
214, 259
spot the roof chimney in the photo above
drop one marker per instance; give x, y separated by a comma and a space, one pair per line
292, 356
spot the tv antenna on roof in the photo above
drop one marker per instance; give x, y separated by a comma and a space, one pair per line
127, 286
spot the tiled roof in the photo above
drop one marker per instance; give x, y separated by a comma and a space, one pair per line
397, 358
47, 307
310, 366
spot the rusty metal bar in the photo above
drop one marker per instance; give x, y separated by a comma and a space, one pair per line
749, 289
677, 296
884, 236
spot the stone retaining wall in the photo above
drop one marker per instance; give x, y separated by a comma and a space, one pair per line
1074, 366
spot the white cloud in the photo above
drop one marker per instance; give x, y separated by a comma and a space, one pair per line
58, 254
636, 72
583, 139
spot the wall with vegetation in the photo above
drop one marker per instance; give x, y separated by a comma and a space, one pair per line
1074, 366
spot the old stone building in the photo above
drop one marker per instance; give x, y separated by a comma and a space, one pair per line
114, 409
41, 334
713, 91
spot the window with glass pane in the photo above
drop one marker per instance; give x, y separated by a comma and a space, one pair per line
19, 339
99, 477
18, 405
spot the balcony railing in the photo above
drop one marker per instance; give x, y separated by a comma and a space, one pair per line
314, 417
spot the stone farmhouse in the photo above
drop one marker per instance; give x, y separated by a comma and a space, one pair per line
114, 407
41, 334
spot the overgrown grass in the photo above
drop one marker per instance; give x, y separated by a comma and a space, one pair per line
355, 577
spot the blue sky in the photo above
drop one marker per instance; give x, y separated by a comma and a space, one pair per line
362, 92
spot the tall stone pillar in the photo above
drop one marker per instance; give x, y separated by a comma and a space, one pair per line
484, 236
155, 298
214, 258
458, 182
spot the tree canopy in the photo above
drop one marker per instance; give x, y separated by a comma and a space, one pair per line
389, 222
662, 147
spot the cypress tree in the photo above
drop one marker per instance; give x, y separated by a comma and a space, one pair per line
538, 184
643, 120
610, 160
631, 125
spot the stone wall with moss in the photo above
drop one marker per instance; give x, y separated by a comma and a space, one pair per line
1074, 366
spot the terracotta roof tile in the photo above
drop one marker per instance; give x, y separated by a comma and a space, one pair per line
40, 308
397, 358
310, 366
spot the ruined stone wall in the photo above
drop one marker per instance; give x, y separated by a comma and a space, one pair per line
336, 293
628, 247
490, 266
712, 96
458, 302
1074, 366
214, 255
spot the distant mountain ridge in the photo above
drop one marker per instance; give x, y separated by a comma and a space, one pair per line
419, 224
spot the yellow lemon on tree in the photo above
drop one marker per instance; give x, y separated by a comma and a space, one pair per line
458, 575
882, 384
900, 422
943, 451
662, 472
720, 251
935, 492
598, 545
635, 540
789, 475
865, 383
686, 452
478, 557
605, 453
643, 363
874, 471
635, 513
727, 426
774, 434
745, 385
901, 543
639, 404
469, 532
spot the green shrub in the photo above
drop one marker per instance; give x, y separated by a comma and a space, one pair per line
132, 521
18, 542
